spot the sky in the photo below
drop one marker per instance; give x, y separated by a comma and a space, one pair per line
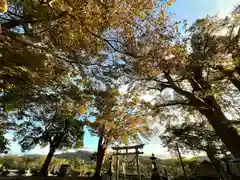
189, 10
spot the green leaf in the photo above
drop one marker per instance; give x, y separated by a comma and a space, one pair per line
22, 68
142, 15
125, 139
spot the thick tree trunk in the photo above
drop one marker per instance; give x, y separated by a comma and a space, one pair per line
213, 113
216, 163
100, 157
219, 122
234, 80
44, 169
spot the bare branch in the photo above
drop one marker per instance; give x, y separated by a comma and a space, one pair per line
18, 22
163, 86
112, 46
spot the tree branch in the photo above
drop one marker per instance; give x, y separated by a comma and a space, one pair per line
110, 44
163, 86
173, 103
17, 22
192, 99
234, 122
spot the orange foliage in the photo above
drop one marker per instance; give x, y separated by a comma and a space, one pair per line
118, 120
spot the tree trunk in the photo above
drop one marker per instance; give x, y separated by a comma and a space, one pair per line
100, 157
54, 144
216, 163
219, 122
44, 169
234, 80
214, 114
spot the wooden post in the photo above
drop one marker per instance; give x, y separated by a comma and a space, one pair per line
138, 170
110, 168
125, 159
180, 158
166, 174
117, 166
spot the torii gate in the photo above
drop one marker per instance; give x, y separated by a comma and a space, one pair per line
126, 148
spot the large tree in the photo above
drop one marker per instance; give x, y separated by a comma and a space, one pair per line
51, 33
43, 42
54, 119
185, 69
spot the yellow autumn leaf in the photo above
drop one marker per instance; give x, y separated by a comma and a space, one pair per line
68, 107
209, 127
3, 6
170, 2
121, 57
82, 109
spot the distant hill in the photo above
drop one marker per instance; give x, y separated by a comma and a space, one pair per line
85, 155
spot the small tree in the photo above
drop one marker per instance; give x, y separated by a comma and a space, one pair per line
59, 131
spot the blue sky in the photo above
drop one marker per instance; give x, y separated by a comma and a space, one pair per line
188, 10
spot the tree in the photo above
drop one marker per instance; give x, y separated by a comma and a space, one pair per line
56, 34
45, 42
162, 62
52, 33
53, 120
3, 143
192, 134
196, 136
118, 119
76, 164
5, 127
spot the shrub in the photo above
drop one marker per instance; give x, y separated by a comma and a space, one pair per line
21, 172
34, 172
5, 173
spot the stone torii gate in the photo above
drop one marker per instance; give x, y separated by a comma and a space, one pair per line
126, 148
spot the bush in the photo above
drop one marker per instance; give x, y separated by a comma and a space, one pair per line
21, 172
34, 172
89, 173
5, 173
